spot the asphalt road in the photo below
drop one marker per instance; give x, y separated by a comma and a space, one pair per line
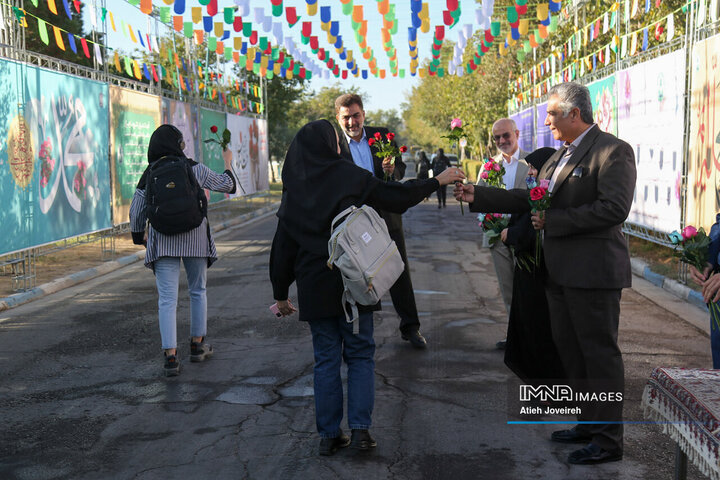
82, 393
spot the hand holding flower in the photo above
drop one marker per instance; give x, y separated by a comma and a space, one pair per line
222, 141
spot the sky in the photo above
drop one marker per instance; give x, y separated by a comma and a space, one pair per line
383, 94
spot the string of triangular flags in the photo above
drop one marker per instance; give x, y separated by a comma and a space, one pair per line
535, 82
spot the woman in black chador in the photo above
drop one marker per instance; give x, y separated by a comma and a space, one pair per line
318, 184
530, 353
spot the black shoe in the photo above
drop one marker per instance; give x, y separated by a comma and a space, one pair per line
171, 366
199, 351
570, 436
439, 206
592, 454
361, 440
330, 445
415, 338
501, 344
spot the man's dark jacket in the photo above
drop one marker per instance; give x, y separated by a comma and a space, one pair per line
393, 220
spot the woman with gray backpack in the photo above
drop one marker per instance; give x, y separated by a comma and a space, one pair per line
318, 184
168, 215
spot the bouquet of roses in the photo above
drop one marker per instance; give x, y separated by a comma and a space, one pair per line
386, 148
457, 133
222, 141
539, 202
492, 173
492, 224
695, 245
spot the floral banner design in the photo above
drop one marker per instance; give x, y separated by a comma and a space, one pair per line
703, 177
602, 95
54, 173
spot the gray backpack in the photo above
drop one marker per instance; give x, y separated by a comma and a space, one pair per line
368, 259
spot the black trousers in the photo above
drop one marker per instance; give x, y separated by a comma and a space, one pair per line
584, 326
442, 194
403, 297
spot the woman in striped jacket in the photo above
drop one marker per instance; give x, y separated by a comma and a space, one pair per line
195, 248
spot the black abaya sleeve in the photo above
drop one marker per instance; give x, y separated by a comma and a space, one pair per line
283, 254
398, 197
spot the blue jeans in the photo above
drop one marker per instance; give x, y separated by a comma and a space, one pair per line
334, 341
167, 279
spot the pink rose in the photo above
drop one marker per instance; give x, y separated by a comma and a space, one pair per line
689, 232
497, 215
488, 166
484, 175
496, 167
544, 183
456, 122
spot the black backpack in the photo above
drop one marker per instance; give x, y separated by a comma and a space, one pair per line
175, 201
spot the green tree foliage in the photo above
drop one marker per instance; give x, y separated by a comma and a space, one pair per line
282, 94
73, 25
478, 99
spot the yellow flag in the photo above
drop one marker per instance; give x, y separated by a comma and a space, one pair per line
524, 26
58, 38
52, 7
196, 14
542, 11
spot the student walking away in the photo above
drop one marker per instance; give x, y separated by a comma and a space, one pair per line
168, 215
318, 184
439, 164
423, 166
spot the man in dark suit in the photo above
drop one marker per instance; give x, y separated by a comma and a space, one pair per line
592, 180
354, 146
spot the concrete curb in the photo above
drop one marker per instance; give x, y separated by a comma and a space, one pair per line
641, 269
107, 267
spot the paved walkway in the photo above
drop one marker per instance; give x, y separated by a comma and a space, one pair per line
83, 397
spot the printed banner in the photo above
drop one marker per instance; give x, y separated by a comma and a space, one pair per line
650, 112
604, 105
526, 125
703, 179
211, 151
184, 117
134, 116
249, 147
544, 135
54, 172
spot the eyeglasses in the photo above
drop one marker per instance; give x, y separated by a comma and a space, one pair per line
505, 135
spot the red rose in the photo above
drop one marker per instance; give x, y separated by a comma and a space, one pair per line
403, 149
390, 136
371, 141
489, 217
537, 193
213, 129
378, 136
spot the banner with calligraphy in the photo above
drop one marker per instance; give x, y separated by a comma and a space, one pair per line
651, 104
526, 125
134, 116
54, 173
249, 147
703, 175
544, 135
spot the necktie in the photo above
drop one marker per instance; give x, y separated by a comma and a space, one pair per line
569, 150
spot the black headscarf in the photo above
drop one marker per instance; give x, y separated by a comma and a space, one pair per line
164, 142
317, 185
538, 157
